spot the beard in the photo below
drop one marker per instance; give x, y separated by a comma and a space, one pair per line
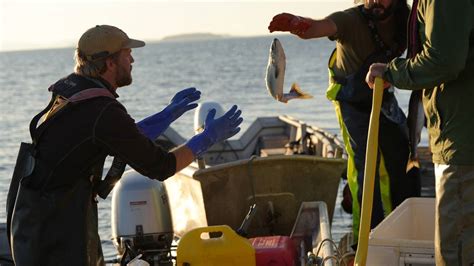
378, 12
124, 76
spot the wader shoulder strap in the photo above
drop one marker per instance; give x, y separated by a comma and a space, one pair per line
36, 118
57, 104
378, 41
414, 43
331, 63
89, 94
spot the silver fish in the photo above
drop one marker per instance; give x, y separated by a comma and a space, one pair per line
416, 121
276, 75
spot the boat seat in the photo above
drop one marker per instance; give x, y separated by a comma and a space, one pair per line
275, 151
273, 145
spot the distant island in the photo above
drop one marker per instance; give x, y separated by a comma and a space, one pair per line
194, 37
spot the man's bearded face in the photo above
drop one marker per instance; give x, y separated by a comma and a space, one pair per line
379, 11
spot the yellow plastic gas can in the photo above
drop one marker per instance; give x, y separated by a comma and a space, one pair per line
196, 248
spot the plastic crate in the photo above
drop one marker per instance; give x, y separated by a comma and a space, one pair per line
406, 236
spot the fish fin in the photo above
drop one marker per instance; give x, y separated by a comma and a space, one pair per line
295, 89
282, 98
413, 163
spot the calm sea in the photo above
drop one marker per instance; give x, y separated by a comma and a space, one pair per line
229, 71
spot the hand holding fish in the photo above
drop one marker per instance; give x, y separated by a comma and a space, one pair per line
287, 22
376, 70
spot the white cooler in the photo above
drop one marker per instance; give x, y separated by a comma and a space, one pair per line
406, 236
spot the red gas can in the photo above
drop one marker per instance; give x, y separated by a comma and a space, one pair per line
274, 251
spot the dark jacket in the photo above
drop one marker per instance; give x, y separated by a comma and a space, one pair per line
69, 162
444, 70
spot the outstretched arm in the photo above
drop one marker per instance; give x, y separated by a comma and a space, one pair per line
184, 156
305, 28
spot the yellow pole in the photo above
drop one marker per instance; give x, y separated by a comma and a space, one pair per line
369, 175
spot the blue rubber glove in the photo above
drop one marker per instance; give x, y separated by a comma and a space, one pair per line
216, 130
156, 124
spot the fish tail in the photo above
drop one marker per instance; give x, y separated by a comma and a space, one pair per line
295, 88
413, 163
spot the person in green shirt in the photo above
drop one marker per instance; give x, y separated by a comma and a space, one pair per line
364, 34
443, 67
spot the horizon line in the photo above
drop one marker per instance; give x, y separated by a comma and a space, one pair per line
150, 41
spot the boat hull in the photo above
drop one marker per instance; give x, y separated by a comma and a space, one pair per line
278, 184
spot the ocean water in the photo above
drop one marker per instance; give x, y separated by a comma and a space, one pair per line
229, 71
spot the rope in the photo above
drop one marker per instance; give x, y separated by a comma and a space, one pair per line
251, 177
338, 257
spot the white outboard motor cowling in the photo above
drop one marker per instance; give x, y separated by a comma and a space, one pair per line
200, 116
201, 112
141, 217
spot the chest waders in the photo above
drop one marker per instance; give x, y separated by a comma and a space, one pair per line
352, 99
36, 217
354, 123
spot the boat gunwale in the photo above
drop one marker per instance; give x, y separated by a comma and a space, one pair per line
258, 160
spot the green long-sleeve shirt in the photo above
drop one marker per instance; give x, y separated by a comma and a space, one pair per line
445, 70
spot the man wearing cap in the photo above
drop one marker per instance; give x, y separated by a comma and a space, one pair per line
54, 221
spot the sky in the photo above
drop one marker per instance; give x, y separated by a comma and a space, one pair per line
41, 24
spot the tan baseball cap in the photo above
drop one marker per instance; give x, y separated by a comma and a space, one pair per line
104, 40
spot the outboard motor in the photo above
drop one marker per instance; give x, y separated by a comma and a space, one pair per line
141, 220
200, 116
141, 216
201, 113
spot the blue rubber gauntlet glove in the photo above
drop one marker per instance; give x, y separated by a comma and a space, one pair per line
216, 130
156, 124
